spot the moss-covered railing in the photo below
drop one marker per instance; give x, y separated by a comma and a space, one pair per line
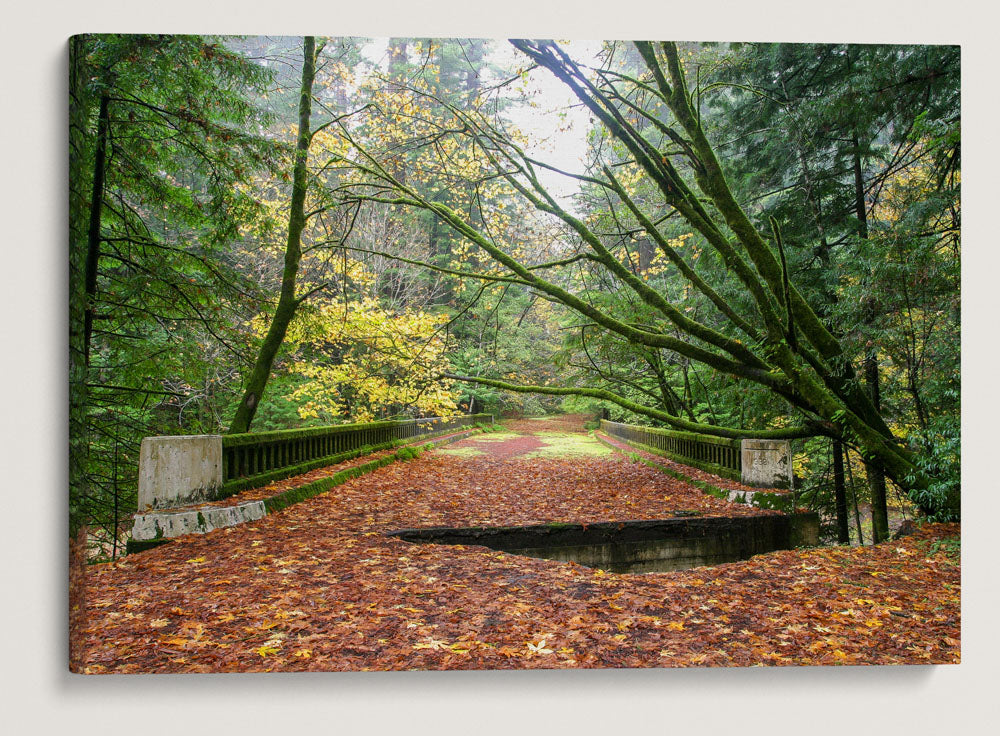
257, 458
718, 455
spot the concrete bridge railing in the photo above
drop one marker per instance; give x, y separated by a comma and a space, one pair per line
176, 471
754, 462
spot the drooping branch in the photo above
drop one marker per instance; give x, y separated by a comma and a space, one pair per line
658, 167
546, 203
753, 369
657, 414
721, 304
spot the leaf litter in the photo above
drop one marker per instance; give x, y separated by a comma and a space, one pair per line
319, 586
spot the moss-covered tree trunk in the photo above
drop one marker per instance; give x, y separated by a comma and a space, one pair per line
840, 493
814, 373
287, 301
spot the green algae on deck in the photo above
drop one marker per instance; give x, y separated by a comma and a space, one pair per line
559, 444
461, 451
497, 437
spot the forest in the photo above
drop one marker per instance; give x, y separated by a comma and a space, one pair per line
757, 240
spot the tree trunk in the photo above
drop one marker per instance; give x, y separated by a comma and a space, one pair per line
287, 303
854, 498
876, 473
874, 468
94, 229
840, 493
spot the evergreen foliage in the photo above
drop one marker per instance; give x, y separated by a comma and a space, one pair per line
765, 241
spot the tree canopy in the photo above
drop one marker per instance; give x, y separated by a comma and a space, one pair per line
762, 241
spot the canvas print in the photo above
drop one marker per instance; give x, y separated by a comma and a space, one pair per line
459, 353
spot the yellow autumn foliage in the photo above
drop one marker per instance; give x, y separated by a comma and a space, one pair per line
366, 362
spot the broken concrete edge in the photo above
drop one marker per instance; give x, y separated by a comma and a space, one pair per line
759, 499
635, 546
801, 529
164, 523
177, 523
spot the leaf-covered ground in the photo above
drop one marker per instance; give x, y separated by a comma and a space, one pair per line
319, 587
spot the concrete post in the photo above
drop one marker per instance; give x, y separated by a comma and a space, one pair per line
766, 463
176, 471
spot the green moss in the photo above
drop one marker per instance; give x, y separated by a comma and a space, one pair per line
502, 436
407, 453
461, 451
778, 501
719, 470
950, 546
282, 435
295, 495
715, 491
559, 444
141, 545
201, 520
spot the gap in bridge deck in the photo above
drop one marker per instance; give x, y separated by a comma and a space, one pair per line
660, 545
678, 540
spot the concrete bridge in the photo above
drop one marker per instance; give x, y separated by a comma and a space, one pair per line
197, 484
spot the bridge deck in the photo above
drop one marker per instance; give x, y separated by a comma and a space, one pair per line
319, 585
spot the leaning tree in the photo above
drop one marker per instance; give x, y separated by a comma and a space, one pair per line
765, 331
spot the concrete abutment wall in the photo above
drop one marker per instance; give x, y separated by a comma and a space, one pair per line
639, 546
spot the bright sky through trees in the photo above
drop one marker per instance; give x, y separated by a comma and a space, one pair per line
558, 126
557, 123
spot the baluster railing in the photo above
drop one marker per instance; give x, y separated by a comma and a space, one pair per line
719, 455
